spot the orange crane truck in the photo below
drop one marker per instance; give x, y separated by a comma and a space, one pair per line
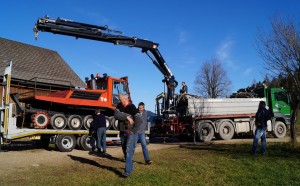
64, 117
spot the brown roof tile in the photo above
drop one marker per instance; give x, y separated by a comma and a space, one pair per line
31, 61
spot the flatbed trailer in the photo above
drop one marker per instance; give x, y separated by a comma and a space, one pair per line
65, 139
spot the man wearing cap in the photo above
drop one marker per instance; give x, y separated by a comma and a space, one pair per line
141, 132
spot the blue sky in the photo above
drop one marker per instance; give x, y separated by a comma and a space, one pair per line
189, 32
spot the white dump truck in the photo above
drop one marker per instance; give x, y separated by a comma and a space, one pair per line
222, 118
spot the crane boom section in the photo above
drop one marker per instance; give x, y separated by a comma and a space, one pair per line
104, 34
100, 33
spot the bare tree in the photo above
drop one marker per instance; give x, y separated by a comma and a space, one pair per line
280, 50
212, 80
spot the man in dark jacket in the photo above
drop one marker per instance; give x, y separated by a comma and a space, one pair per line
99, 127
261, 118
130, 121
124, 114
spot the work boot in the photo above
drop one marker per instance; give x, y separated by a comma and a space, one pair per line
125, 175
148, 162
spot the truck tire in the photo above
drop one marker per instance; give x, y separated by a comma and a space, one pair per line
65, 143
205, 132
58, 121
87, 142
74, 122
226, 130
253, 130
115, 123
43, 142
78, 143
87, 120
108, 122
279, 129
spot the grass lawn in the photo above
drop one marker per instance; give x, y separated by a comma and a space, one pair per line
186, 165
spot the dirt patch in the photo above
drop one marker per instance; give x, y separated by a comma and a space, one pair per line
22, 156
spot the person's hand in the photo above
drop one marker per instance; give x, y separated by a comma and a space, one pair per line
130, 120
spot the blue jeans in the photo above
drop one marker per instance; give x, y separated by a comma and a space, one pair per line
123, 138
131, 144
260, 133
142, 138
101, 139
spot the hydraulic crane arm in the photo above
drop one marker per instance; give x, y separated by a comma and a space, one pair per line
104, 34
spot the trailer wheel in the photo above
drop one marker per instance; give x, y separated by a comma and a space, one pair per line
226, 130
43, 142
279, 129
58, 121
115, 123
87, 120
108, 122
65, 143
75, 122
40, 120
78, 143
87, 142
205, 132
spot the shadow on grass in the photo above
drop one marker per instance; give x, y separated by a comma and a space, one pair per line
96, 164
276, 150
110, 157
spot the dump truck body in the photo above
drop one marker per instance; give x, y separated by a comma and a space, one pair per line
222, 118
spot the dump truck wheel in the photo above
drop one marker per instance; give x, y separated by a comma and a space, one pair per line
108, 122
253, 130
226, 130
205, 132
87, 120
74, 122
279, 129
58, 121
65, 143
40, 120
87, 142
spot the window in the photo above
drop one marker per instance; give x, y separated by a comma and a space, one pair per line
281, 96
119, 88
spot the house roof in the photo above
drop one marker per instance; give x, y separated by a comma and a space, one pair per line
31, 62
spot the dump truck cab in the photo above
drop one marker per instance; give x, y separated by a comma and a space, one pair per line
278, 101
